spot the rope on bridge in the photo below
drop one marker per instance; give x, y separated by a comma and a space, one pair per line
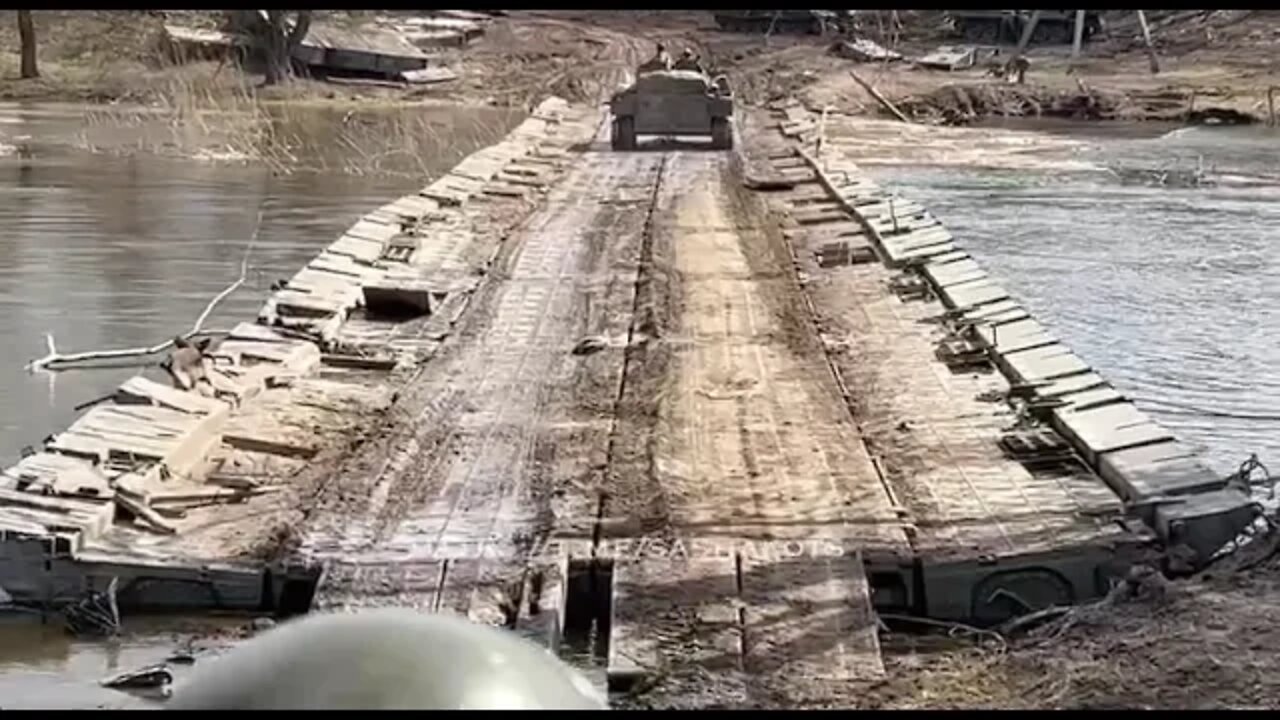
1244, 477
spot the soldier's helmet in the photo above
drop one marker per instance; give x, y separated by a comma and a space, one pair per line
382, 660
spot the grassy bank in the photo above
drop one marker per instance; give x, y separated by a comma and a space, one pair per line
116, 57
136, 100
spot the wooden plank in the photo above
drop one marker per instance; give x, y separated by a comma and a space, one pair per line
673, 612
270, 447
139, 389
1096, 397
1161, 469
19, 523
373, 232
995, 312
235, 481
209, 495
899, 257
44, 523
340, 264
809, 618
360, 362
479, 168
315, 296
413, 206
61, 506
59, 474
911, 240
105, 431
1109, 428
150, 518
951, 257
167, 422
91, 448
240, 350
313, 279
256, 332
144, 432
1023, 334
446, 196
350, 586
882, 211
301, 304
1070, 384
972, 294
942, 275
355, 247
1043, 363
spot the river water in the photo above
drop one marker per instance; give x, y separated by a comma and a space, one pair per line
124, 250
121, 248
1165, 291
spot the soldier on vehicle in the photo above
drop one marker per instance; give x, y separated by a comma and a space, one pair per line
688, 61
663, 56
661, 60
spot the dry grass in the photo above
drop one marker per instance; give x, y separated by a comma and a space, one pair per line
1207, 642
145, 103
227, 118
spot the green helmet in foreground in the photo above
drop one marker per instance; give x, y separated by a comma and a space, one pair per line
386, 659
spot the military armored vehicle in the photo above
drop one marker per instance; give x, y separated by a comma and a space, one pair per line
673, 102
1005, 27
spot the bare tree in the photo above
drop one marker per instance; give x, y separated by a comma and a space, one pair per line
280, 42
27, 36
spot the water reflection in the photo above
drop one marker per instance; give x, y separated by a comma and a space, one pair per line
41, 667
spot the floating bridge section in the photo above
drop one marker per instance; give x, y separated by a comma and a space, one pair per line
122, 492
747, 419
1159, 479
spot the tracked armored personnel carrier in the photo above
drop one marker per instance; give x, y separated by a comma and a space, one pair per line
673, 102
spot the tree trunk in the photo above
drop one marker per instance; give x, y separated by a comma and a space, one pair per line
27, 35
280, 44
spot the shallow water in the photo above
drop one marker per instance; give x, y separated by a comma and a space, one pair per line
41, 668
1167, 292
106, 251
124, 249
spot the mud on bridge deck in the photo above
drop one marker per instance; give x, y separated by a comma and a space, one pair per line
705, 432
692, 418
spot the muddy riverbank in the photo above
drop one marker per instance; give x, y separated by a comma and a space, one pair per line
112, 57
1214, 67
